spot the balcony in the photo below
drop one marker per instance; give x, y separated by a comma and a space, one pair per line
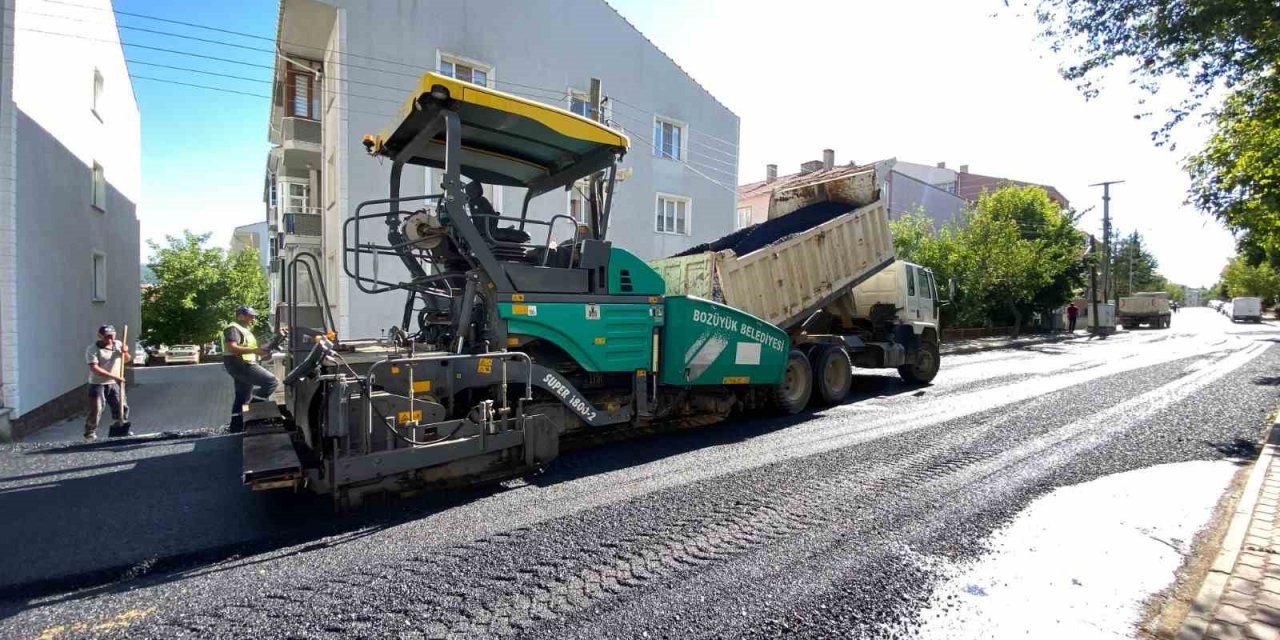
300, 142
302, 225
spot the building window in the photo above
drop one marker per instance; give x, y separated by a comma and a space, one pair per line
668, 139
465, 70
301, 100
99, 282
672, 215
98, 193
744, 218
97, 94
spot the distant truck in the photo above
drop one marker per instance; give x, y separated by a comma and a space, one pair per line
1149, 308
1245, 309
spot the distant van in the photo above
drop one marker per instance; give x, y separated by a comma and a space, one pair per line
1246, 309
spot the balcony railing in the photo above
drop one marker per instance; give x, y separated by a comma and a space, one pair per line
303, 221
297, 129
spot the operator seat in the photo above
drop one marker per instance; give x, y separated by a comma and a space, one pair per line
485, 217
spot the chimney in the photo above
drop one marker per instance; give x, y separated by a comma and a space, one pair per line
770, 172
811, 166
964, 168
942, 165
828, 159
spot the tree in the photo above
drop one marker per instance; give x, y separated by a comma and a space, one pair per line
1236, 177
1015, 252
1239, 278
1133, 267
197, 289
1202, 44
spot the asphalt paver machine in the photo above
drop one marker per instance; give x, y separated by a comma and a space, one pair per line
508, 341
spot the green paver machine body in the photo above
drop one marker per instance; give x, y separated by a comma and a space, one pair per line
507, 341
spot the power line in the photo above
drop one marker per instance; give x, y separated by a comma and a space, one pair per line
200, 71
326, 50
693, 167
200, 86
641, 110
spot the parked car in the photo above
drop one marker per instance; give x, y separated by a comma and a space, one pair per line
1245, 309
1216, 305
184, 354
157, 355
139, 355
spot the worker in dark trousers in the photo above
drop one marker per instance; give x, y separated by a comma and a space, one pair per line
1072, 313
240, 358
104, 357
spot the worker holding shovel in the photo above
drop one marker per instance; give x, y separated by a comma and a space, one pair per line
106, 377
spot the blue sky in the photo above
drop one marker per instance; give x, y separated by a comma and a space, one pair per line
203, 152
920, 80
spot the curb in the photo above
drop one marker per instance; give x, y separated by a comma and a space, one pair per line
1200, 614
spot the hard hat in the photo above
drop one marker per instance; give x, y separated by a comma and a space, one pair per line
246, 310
106, 330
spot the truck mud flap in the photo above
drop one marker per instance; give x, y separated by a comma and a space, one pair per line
269, 459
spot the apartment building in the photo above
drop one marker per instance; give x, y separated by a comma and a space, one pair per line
345, 66
70, 173
905, 192
938, 192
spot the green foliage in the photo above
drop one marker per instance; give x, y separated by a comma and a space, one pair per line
1015, 253
1133, 268
1202, 44
1239, 278
1236, 177
197, 289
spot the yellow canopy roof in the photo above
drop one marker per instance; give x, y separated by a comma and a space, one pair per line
506, 139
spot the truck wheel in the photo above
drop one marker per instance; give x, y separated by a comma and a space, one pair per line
797, 384
925, 367
833, 373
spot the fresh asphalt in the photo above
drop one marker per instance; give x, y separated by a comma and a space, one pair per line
827, 524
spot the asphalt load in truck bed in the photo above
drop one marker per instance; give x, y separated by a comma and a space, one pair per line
759, 236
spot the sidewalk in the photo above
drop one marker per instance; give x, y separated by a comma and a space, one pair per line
1240, 597
176, 398
975, 345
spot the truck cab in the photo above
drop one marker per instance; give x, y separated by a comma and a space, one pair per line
909, 287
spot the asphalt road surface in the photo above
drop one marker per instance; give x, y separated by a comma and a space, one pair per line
816, 526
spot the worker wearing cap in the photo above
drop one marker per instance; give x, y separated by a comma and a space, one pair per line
240, 359
104, 357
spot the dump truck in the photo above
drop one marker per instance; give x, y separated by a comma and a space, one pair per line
835, 287
510, 343
1149, 308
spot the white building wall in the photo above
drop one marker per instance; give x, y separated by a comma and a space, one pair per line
9, 374
49, 117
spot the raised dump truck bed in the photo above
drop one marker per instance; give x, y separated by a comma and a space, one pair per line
788, 281
832, 233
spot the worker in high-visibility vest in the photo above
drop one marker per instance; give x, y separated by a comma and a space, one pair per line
240, 359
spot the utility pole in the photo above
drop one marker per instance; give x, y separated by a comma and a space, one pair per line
1106, 234
1094, 318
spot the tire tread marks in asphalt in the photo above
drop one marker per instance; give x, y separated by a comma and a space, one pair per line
532, 575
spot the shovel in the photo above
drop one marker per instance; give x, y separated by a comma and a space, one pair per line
125, 427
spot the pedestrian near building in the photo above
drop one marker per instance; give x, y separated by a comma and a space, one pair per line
240, 358
105, 358
1072, 313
